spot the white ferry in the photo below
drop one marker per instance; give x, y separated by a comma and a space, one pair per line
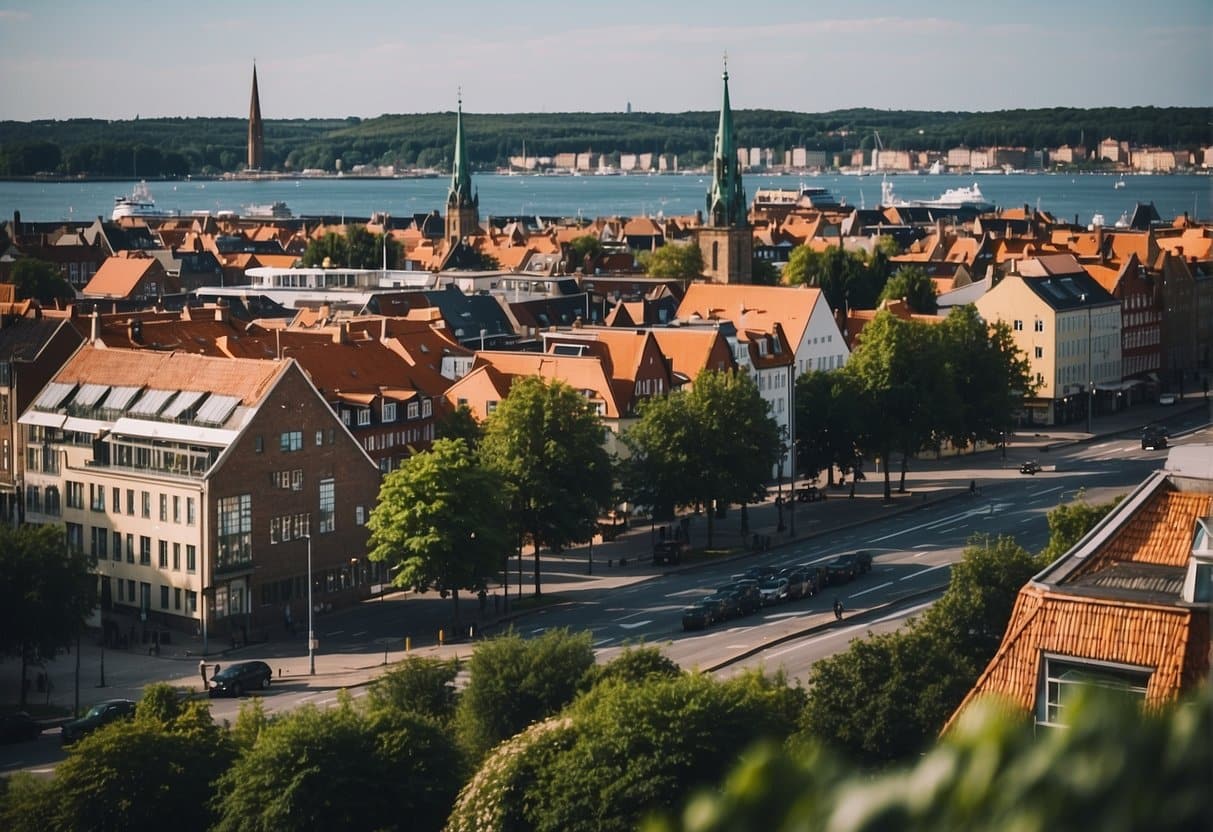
138, 204
953, 199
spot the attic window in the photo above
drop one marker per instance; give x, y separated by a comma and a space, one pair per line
1198, 582
1062, 677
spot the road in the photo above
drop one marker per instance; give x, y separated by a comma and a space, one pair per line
913, 554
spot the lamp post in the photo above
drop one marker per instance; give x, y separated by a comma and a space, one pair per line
311, 630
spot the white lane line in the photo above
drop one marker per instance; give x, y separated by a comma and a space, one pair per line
632, 615
924, 571
929, 524
871, 589
335, 633
538, 631
925, 546
636, 624
359, 633
736, 646
775, 616
1042, 493
602, 642
1026, 520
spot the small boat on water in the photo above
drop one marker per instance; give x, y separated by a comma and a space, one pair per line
273, 211
1120, 183
138, 204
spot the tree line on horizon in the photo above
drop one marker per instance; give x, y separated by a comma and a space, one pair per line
177, 147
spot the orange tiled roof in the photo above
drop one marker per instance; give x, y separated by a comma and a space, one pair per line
248, 380
582, 373
1160, 533
118, 276
753, 307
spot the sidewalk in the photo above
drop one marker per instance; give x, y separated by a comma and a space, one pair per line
617, 563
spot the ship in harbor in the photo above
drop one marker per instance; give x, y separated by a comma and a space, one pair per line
138, 204
964, 198
272, 211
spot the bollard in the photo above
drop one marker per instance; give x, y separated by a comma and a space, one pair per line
408, 643
441, 638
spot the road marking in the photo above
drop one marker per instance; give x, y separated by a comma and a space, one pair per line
334, 633
603, 642
925, 546
930, 523
871, 589
359, 633
683, 592
1026, 520
902, 613
633, 615
637, 624
736, 646
924, 571
538, 630
777, 615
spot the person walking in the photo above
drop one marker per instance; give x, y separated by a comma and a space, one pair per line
838, 609
202, 671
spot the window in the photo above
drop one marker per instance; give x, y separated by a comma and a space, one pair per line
52, 506
163, 597
327, 506
130, 549
319, 438
163, 561
117, 546
116, 500
98, 543
163, 508
191, 601
145, 550
235, 530
258, 444
130, 502
146, 506
191, 516
176, 598
33, 498
345, 418
364, 416
1061, 678
290, 440
413, 410
75, 537
389, 411
176, 509
359, 515
191, 558
1040, 352
75, 494
332, 435
1017, 325
1039, 325
177, 559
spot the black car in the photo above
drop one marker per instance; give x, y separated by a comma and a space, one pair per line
103, 713
235, 679
724, 605
799, 583
848, 567
697, 616
749, 597
18, 727
1153, 438
1030, 467
759, 573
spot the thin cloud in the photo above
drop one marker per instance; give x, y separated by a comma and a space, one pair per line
15, 15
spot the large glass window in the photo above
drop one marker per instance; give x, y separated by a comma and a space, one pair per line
191, 558
145, 550
328, 506
235, 530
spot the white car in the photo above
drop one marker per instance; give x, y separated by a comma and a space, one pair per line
1166, 398
773, 590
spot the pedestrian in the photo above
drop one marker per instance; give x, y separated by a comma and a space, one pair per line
838, 609
202, 671
216, 673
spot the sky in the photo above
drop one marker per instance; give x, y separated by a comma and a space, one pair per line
83, 58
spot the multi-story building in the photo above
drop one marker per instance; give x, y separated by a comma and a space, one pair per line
207, 488
1070, 329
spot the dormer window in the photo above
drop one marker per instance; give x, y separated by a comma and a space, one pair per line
1198, 583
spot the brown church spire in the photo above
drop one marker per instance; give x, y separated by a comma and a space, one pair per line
255, 138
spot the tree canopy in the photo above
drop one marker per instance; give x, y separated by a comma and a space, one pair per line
38, 280
545, 441
911, 284
443, 520
673, 261
357, 248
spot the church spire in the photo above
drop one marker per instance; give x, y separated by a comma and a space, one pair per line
460, 194
256, 141
726, 200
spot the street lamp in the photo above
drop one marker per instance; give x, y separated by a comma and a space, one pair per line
311, 630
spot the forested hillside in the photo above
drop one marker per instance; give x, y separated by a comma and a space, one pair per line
169, 147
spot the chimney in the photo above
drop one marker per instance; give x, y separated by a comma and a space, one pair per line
94, 332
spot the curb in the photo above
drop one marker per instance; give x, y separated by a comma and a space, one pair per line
818, 628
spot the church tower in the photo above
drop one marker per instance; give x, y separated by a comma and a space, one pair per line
462, 204
255, 139
725, 238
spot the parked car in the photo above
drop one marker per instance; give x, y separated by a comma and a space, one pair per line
103, 713
697, 616
18, 727
799, 584
816, 576
848, 567
760, 573
773, 590
237, 678
1030, 467
724, 605
809, 494
748, 597
1153, 438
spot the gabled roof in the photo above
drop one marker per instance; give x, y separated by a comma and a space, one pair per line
753, 307
690, 349
119, 276
585, 374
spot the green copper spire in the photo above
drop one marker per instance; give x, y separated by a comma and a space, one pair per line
726, 200
461, 193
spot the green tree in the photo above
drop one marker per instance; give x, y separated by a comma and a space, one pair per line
674, 261
546, 442
584, 252
460, 424
332, 247
339, 769
1068, 523
40, 281
513, 682
911, 284
991, 772
803, 263
764, 273
442, 519
827, 411
721, 430
636, 664
990, 376
418, 685
48, 591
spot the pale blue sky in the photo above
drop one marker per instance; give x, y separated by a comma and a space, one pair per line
73, 58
